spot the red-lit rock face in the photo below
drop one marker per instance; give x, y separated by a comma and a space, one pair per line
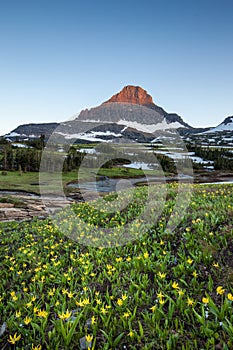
132, 94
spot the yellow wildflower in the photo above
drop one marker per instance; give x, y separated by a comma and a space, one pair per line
27, 320
18, 313
70, 295
161, 301
103, 310
180, 292
124, 296
195, 274
119, 302
190, 302
14, 339
79, 303
42, 313
160, 295
175, 285
220, 290
38, 347
119, 259
152, 308
205, 300
65, 316
216, 264
42, 279
89, 338
131, 334
189, 261
51, 292
86, 301
162, 275
230, 296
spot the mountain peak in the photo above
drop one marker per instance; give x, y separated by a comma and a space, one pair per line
228, 120
132, 94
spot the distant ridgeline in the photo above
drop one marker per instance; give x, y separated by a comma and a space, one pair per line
127, 117
31, 131
130, 115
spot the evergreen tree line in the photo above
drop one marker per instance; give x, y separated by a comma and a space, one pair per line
25, 159
29, 159
222, 158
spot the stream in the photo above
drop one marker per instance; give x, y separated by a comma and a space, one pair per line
107, 185
112, 185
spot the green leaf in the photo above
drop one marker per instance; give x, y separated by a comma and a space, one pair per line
199, 317
118, 339
141, 331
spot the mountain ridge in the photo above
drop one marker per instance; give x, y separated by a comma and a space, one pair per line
129, 114
132, 94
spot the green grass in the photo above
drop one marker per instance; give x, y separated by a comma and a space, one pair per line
29, 181
16, 181
126, 172
161, 291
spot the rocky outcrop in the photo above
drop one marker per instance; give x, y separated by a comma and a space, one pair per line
132, 94
136, 95
29, 208
11, 213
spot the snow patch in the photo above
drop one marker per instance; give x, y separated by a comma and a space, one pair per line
87, 150
105, 133
94, 121
138, 165
221, 127
20, 145
91, 136
150, 128
13, 134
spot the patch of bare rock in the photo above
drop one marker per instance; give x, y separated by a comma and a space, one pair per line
20, 208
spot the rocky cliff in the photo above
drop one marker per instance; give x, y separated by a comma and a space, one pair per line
135, 95
132, 94
131, 114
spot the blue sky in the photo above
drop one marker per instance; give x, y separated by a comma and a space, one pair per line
59, 57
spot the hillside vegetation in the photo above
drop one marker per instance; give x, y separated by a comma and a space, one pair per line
162, 291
